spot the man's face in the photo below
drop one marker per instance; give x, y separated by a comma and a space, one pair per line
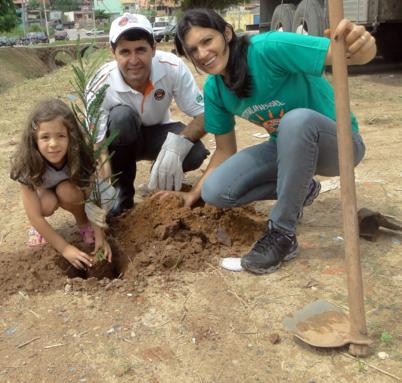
134, 60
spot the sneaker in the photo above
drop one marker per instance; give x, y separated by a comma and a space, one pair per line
270, 251
313, 192
35, 239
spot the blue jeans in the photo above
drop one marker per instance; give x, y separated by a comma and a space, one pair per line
306, 145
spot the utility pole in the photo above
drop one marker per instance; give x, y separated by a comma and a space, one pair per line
93, 14
47, 26
23, 10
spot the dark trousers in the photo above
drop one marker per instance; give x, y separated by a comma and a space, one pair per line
136, 142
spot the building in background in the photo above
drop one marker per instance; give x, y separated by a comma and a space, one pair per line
84, 17
152, 8
243, 17
31, 15
112, 8
131, 6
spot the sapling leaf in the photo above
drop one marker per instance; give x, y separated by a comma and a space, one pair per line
88, 112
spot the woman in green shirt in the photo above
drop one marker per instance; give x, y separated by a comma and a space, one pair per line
273, 80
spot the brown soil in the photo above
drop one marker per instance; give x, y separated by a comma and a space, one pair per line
168, 238
166, 312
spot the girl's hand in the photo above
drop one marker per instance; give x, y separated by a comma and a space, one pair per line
188, 197
76, 257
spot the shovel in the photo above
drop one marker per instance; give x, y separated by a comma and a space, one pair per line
322, 324
371, 221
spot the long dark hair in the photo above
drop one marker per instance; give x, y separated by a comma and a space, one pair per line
28, 165
239, 78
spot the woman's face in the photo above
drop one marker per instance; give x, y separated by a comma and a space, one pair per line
208, 49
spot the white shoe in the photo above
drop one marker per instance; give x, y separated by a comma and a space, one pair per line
232, 264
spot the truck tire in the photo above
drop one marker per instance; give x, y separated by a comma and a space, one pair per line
309, 18
387, 36
282, 18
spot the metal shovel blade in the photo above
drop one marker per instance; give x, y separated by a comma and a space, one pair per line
320, 324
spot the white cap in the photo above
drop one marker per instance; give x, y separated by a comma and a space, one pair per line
126, 22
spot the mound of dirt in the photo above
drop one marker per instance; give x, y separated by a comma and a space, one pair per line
161, 236
156, 238
19, 64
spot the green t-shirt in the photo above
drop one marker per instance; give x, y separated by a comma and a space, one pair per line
286, 71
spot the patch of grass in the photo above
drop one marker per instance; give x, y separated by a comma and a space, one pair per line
374, 326
386, 338
361, 366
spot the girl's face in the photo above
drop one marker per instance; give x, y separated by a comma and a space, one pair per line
52, 140
208, 49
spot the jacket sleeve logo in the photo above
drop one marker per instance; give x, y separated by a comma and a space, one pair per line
159, 94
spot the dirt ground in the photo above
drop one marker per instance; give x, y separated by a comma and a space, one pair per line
168, 312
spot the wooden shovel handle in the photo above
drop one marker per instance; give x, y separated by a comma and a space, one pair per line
348, 193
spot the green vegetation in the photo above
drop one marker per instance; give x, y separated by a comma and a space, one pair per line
8, 16
87, 110
386, 337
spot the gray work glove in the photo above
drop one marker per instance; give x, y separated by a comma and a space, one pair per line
167, 172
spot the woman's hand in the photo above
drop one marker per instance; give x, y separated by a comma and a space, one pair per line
360, 45
76, 257
189, 198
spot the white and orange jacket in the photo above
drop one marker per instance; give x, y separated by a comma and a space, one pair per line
170, 79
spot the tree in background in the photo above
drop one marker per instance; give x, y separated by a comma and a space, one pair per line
216, 4
8, 16
100, 14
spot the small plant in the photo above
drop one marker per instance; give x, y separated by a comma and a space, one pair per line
99, 255
386, 337
87, 110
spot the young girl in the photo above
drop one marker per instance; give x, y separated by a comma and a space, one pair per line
275, 81
52, 165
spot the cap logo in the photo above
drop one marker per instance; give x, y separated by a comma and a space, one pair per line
128, 19
123, 21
